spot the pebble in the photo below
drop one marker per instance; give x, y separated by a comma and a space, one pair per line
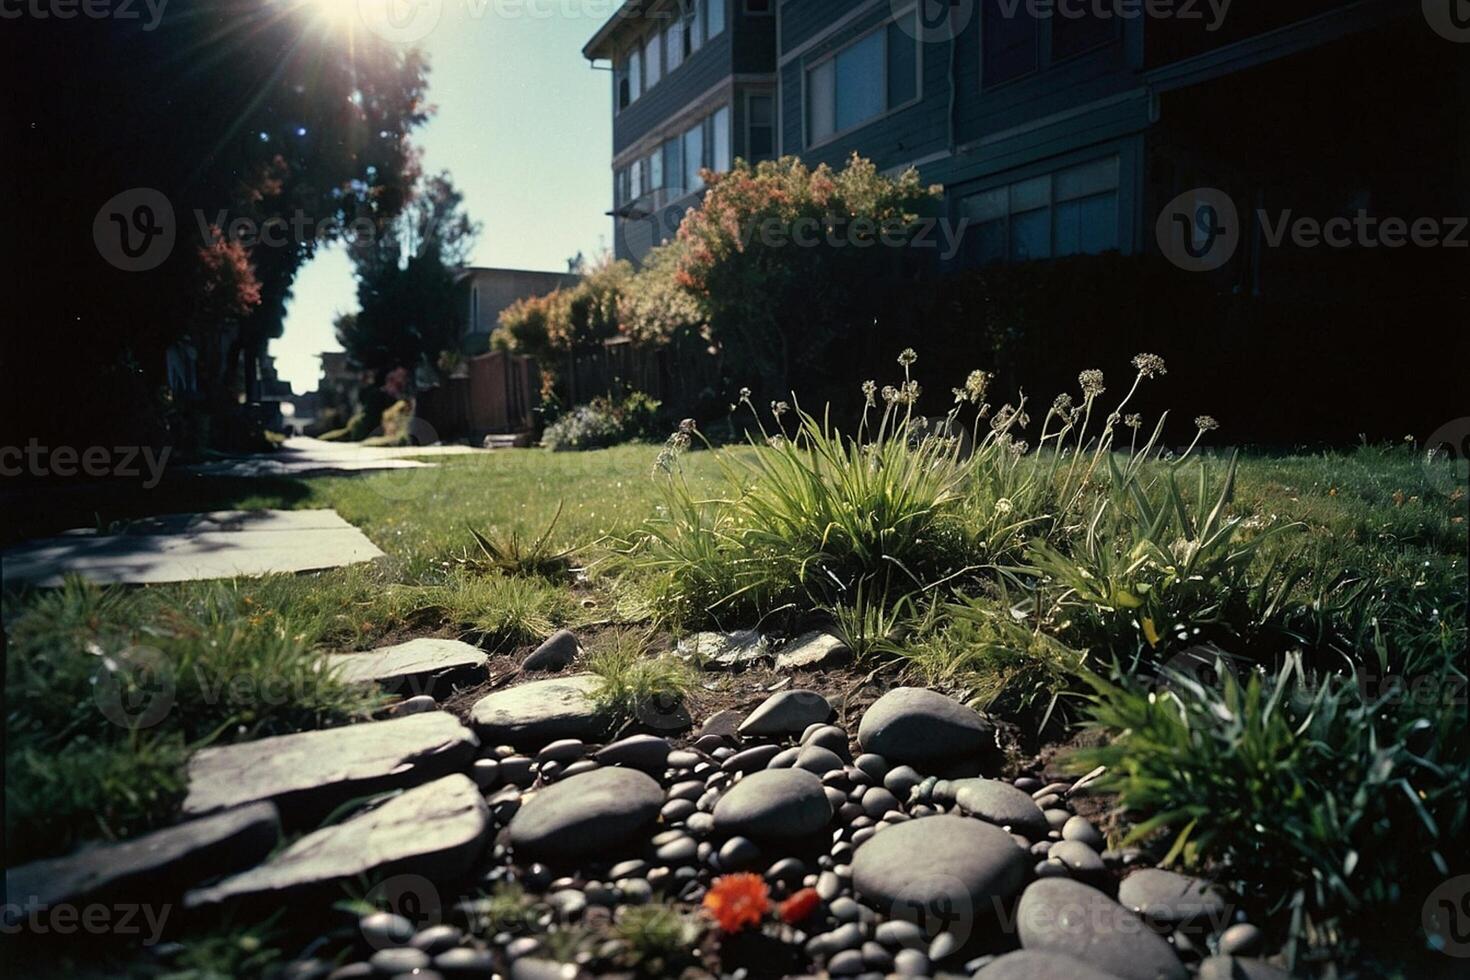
485, 773
436, 939
739, 854
1241, 939
384, 929
401, 959
911, 963
900, 781
753, 759
1080, 829
464, 962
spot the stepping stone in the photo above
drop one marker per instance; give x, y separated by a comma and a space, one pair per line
593, 813
1030, 964
774, 804
307, 775
919, 727
1001, 804
541, 711
728, 651
187, 547
931, 865
1059, 915
814, 651
436, 831
559, 650
152, 868
1170, 899
787, 713
417, 667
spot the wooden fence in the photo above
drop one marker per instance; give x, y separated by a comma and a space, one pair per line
495, 396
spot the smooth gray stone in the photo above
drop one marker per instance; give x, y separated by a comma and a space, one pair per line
739, 854
530, 968
423, 666
815, 759
435, 830
556, 653
1241, 939
911, 963
722, 723
399, 960
1077, 857
464, 962
786, 713
151, 868
920, 727
1059, 915
309, 774
814, 651
1029, 964
541, 711
753, 759
900, 781
729, 651
586, 814
1240, 968
900, 932
1080, 829
646, 753
1001, 804
774, 804
913, 869
1168, 898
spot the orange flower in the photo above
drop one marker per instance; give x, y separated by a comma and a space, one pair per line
738, 900
796, 908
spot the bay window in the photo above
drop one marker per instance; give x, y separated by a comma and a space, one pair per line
875, 74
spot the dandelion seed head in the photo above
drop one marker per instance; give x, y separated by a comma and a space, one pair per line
1149, 365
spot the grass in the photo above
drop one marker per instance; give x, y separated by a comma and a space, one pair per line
1014, 579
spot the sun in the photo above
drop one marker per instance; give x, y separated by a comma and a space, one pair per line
336, 14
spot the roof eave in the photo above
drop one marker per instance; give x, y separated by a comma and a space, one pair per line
599, 46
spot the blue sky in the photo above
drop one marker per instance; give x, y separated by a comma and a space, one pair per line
523, 125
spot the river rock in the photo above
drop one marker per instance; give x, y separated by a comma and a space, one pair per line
1170, 899
918, 867
309, 774
646, 753
541, 711
1001, 804
559, 650
1030, 964
814, 651
1059, 915
153, 868
787, 713
595, 812
1240, 968
774, 804
435, 831
423, 666
922, 728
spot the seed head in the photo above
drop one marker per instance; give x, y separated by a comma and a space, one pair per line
1206, 423
1149, 365
1091, 381
907, 357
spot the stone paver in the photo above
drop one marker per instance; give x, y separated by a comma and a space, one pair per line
188, 547
309, 774
417, 667
435, 831
560, 707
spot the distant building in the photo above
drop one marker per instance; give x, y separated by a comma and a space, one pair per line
1056, 129
486, 292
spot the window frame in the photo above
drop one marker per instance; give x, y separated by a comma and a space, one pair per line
774, 125
808, 67
1039, 64
770, 10
1050, 207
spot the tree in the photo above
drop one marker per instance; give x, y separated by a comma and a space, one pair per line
410, 307
253, 118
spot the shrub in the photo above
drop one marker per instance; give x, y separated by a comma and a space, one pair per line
633, 685
603, 422
1304, 793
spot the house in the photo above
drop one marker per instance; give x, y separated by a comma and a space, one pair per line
693, 85
486, 292
1057, 127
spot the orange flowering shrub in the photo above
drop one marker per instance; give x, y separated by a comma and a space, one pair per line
738, 900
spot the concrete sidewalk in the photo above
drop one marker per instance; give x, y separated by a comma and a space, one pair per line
185, 547
300, 456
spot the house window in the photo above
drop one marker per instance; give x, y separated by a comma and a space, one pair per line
693, 156
674, 44
622, 93
653, 59
693, 28
760, 127
719, 139
622, 187
1009, 41
757, 6
635, 180
655, 169
635, 74
875, 74
714, 17
1070, 212
1078, 28
674, 164
475, 306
